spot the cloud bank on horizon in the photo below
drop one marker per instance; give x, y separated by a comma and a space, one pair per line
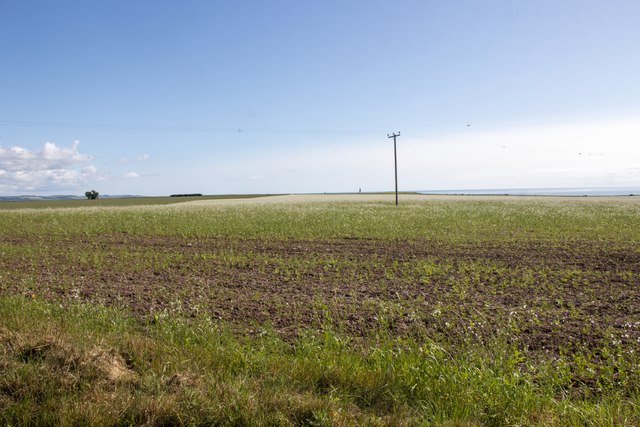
54, 169
591, 153
49, 169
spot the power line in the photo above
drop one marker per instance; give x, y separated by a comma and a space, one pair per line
179, 128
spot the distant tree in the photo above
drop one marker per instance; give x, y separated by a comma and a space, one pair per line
92, 195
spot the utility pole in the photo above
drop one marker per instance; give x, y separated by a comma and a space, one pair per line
395, 160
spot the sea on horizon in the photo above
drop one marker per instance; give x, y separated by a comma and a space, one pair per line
565, 191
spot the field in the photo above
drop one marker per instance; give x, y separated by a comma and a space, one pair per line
113, 202
326, 310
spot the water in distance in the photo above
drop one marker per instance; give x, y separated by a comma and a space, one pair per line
570, 191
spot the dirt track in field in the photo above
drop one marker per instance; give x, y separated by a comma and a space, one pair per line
543, 295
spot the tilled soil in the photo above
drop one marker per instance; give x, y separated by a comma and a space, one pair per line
544, 295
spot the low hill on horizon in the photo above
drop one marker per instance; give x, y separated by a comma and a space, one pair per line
26, 197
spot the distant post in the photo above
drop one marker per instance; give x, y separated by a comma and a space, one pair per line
395, 160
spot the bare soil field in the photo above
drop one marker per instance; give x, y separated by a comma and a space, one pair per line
549, 296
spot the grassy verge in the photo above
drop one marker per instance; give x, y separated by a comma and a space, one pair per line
87, 364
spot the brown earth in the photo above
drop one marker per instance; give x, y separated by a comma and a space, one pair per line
544, 295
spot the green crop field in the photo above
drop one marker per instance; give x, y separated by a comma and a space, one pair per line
113, 202
321, 311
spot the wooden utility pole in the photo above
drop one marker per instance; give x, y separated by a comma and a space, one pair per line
395, 160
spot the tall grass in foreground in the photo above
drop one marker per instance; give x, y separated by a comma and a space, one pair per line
86, 364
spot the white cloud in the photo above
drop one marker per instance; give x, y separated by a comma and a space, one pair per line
131, 175
50, 168
143, 158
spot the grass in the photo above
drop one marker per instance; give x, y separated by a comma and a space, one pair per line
458, 220
86, 364
116, 202
419, 314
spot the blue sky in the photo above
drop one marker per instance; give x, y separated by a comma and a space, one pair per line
159, 97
